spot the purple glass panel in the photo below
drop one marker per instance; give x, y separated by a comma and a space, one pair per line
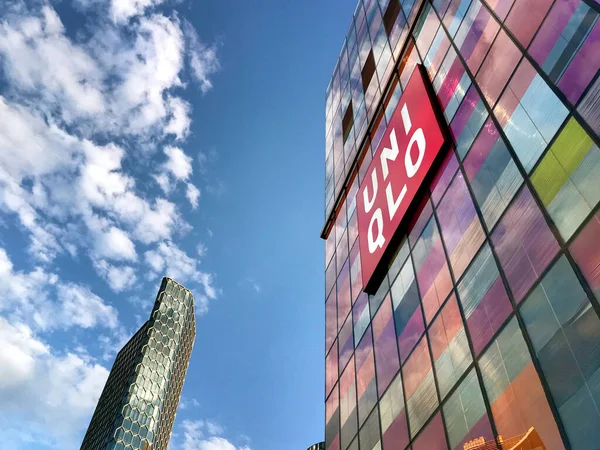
443, 177
346, 344
468, 121
461, 229
567, 46
489, 315
386, 352
330, 321
433, 436
589, 108
396, 436
524, 244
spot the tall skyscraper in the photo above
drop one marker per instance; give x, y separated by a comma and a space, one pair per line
137, 407
319, 446
462, 225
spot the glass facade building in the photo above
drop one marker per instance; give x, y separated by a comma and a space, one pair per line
137, 407
486, 323
319, 446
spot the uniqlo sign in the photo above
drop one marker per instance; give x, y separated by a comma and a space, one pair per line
411, 143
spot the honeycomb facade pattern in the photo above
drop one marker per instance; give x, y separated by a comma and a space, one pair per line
137, 408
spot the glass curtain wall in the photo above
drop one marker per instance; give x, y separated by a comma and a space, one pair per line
486, 323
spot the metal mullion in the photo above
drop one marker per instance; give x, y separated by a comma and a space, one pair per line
467, 332
542, 74
522, 171
526, 182
426, 336
400, 365
380, 109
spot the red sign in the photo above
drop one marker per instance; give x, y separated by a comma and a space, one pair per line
409, 147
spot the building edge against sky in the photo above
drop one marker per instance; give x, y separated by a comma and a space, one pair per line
484, 321
138, 404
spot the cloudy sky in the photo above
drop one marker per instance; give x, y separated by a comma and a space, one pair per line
142, 138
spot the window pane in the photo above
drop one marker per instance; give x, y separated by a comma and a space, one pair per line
343, 293
407, 310
476, 34
444, 177
586, 252
441, 6
524, 244
567, 178
455, 14
589, 108
525, 17
369, 435
365, 376
465, 414
331, 368
433, 436
346, 344
497, 67
330, 321
451, 84
387, 363
468, 121
449, 346
409, 61
513, 387
394, 427
348, 410
432, 270
484, 299
361, 316
530, 114
419, 387
377, 299
501, 7
461, 229
416, 226
426, 29
565, 333
492, 173
567, 46
332, 420
436, 53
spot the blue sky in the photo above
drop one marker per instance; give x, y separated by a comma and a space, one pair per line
146, 137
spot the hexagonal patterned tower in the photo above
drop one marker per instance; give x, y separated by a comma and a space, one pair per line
137, 407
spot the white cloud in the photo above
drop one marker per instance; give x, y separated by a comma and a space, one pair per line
115, 244
80, 307
193, 195
185, 403
205, 435
203, 59
40, 58
119, 278
201, 249
178, 163
44, 395
180, 121
157, 221
253, 284
163, 180
168, 260
83, 117
122, 10
177, 167
174, 262
41, 299
146, 80
29, 146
